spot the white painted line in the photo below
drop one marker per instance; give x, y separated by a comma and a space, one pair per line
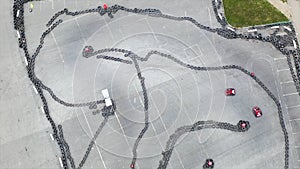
210, 21
274, 27
164, 125
40, 4
230, 28
296, 133
281, 34
280, 58
298, 119
18, 33
52, 4
287, 28
286, 82
193, 48
80, 31
72, 19
220, 16
95, 141
123, 131
294, 43
156, 133
289, 94
60, 162
139, 96
151, 29
36, 92
193, 59
25, 61
280, 70
252, 30
51, 136
18, 13
293, 106
59, 51
110, 32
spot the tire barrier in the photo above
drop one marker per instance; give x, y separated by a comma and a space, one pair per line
283, 43
209, 164
135, 57
108, 111
195, 127
90, 146
66, 149
278, 42
220, 18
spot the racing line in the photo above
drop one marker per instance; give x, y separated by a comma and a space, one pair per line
132, 58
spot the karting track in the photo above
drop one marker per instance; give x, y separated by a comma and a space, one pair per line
135, 60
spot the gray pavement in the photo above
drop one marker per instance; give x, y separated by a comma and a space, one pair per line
177, 96
282, 7
294, 6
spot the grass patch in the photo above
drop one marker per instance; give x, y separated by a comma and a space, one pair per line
242, 13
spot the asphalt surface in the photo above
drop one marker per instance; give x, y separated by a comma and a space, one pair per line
295, 12
177, 96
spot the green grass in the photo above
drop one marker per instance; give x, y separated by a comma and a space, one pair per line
242, 13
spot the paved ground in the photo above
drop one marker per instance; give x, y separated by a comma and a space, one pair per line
177, 96
282, 7
295, 11
291, 9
